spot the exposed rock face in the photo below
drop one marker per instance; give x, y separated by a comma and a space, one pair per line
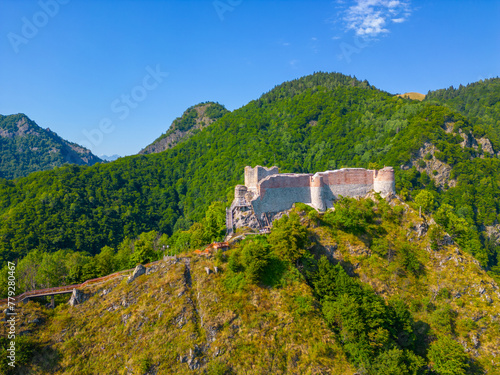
138, 271
438, 170
421, 229
486, 145
245, 218
441, 176
77, 297
493, 231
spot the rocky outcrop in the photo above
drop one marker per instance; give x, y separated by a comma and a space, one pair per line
425, 159
245, 218
78, 297
435, 169
493, 232
138, 271
486, 145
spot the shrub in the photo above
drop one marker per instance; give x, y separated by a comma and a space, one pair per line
448, 357
289, 238
351, 215
409, 259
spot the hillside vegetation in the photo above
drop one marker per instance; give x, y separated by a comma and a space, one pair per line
318, 122
25, 148
479, 101
193, 120
369, 288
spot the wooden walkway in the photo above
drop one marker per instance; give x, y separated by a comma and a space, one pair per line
67, 288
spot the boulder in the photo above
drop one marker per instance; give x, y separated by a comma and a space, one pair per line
138, 271
77, 297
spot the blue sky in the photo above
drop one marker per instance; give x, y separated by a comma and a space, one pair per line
112, 75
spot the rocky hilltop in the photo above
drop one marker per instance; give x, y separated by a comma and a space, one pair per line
26, 147
180, 318
193, 120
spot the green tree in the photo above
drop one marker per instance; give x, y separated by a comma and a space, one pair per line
397, 362
289, 238
255, 259
145, 248
105, 261
448, 357
215, 222
351, 215
425, 199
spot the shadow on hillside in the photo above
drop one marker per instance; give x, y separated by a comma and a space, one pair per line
475, 368
46, 359
274, 271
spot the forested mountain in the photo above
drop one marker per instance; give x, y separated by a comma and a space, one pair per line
319, 122
193, 120
25, 147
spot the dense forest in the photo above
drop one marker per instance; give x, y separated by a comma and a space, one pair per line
25, 148
319, 122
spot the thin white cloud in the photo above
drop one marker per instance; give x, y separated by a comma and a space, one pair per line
370, 18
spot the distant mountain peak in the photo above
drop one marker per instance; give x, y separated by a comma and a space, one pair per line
110, 158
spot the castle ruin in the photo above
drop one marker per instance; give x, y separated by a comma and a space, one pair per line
267, 192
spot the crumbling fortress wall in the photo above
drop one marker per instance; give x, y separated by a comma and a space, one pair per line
267, 191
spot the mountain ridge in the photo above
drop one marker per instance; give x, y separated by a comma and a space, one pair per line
27, 147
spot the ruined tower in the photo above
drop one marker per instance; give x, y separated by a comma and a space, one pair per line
254, 175
383, 181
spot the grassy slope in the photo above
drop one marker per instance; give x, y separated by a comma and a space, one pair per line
413, 95
171, 326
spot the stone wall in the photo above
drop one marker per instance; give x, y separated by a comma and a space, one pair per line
272, 192
328, 186
279, 192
